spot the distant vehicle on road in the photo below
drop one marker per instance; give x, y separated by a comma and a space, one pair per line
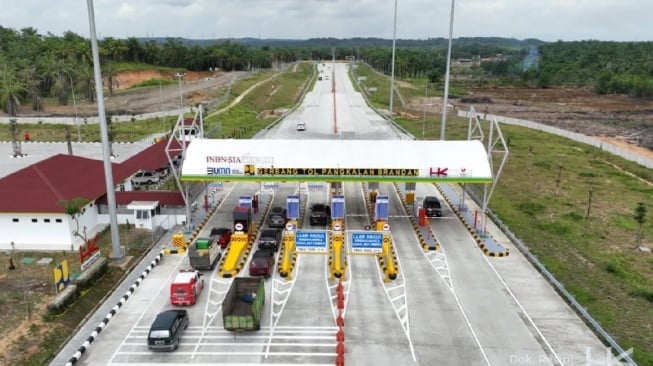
243, 304
145, 177
432, 206
277, 217
186, 287
269, 239
222, 235
320, 214
301, 126
262, 263
166, 330
204, 254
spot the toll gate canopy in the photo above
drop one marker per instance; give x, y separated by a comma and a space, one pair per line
336, 160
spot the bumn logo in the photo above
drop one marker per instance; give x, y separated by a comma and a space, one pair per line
609, 359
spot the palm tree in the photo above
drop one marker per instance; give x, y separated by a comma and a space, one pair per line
33, 82
10, 90
86, 82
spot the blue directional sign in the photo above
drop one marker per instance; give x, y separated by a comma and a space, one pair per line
292, 205
311, 241
245, 201
381, 209
366, 242
338, 207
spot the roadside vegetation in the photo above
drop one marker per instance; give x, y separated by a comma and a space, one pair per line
29, 335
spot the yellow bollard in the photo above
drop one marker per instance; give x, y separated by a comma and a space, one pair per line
288, 250
390, 270
236, 246
337, 255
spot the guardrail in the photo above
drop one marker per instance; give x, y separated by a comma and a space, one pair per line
588, 140
95, 119
377, 111
287, 112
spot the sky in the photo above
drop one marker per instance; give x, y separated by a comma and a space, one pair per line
547, 20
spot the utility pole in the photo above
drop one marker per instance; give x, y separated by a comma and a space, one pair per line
117, 252
181, 94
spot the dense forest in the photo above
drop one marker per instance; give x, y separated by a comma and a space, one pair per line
35, 66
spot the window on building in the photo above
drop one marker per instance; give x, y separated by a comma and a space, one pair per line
15, 220
46, 220
35, 220
58, 220
142, 214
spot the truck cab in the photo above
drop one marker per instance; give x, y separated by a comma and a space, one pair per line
185, 289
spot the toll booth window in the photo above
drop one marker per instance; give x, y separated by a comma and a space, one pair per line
142, 214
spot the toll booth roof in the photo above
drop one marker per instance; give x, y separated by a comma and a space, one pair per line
337, 160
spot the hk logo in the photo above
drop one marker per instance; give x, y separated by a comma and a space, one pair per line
438, 172
609, 359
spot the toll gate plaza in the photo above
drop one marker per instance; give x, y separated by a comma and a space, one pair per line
333, 162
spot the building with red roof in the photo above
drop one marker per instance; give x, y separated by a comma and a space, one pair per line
32, 200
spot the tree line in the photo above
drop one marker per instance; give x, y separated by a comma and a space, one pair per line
35, 66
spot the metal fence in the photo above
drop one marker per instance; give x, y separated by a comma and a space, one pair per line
593, 141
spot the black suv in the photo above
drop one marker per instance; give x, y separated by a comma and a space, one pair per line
165, 332
320, 214
432, 206
269, 239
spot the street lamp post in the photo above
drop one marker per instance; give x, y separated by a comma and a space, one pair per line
392, 72
72, 89
446, 77
181, 95
426, 88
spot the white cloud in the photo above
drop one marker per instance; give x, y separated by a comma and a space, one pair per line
126, 11
549, 20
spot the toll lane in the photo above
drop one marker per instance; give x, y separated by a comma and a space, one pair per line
438, 328
372, 331
494, 317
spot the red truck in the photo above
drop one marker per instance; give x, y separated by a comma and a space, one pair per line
186, 287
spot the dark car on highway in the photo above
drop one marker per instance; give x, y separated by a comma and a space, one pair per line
270, 239
320, 214
277, 217
165, 332
262, 263
432, 206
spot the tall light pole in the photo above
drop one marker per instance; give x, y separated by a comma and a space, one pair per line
392, 72
104, 134
446, 76
181, 95
72, 89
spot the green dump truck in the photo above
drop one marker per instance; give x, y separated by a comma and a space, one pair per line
204, 254
243, 304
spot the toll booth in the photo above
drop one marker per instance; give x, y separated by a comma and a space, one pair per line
410, 192
338, 207
242, 217
292, 207
381, 211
